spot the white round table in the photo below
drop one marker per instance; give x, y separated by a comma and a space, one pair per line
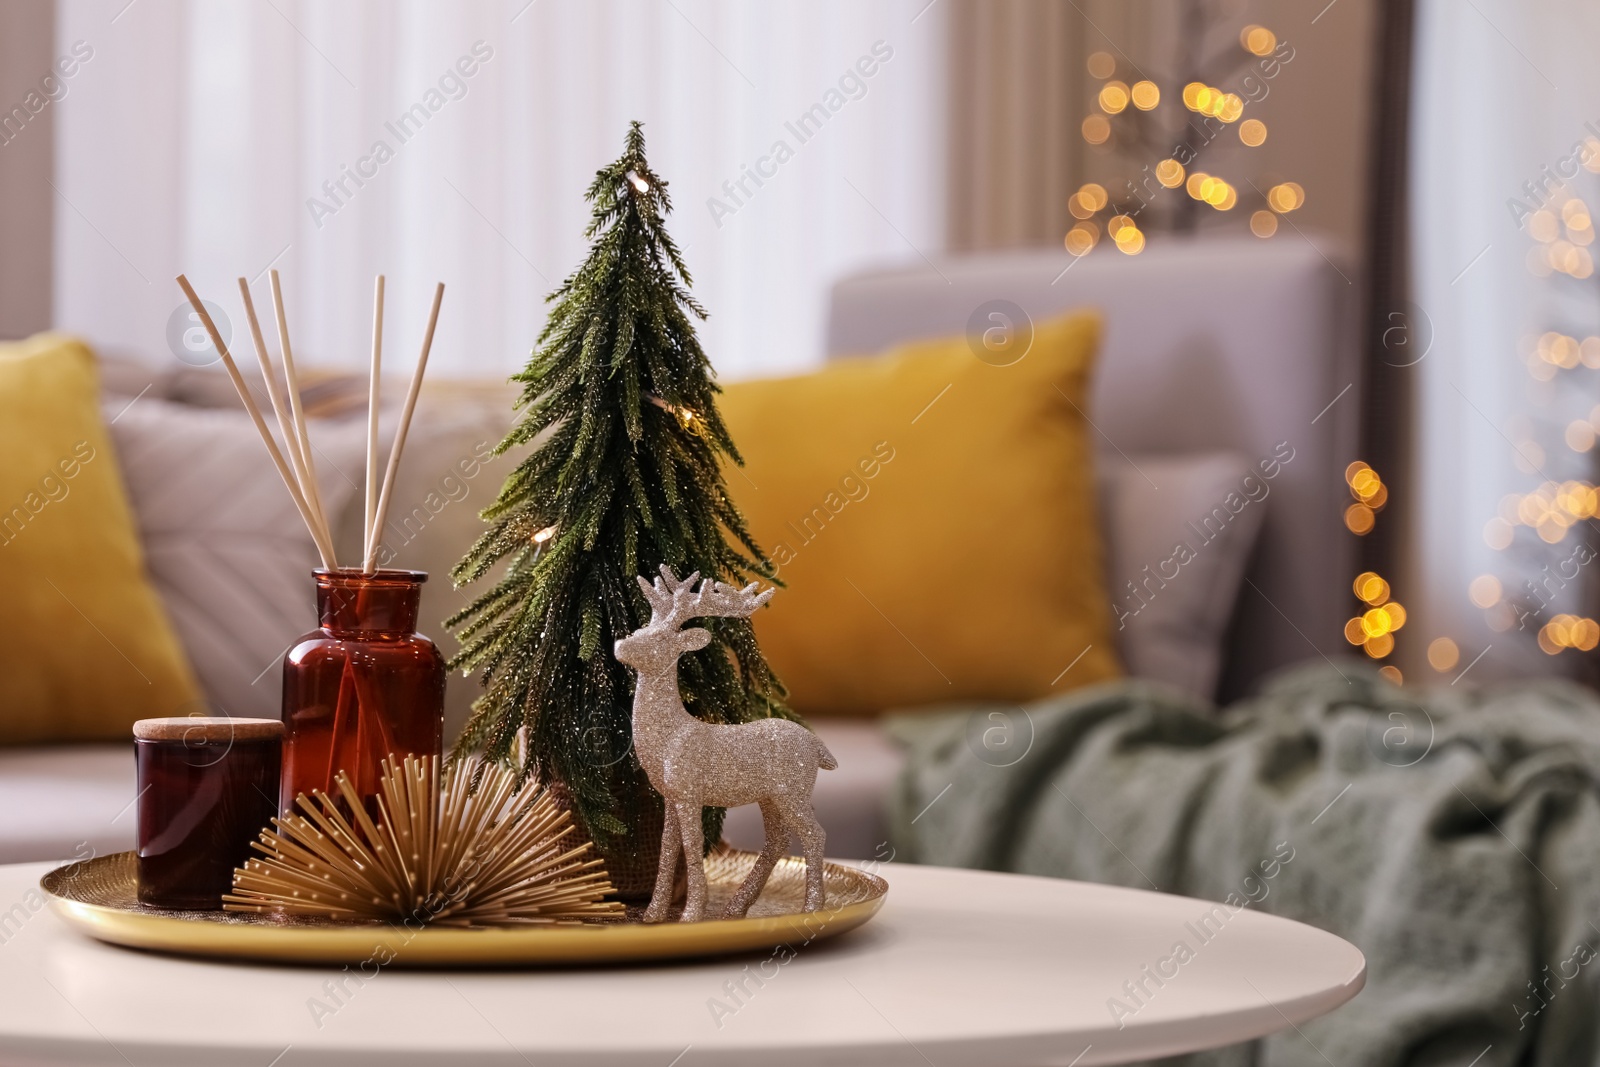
960, 967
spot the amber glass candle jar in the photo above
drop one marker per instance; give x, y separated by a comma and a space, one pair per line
363, 686
207, 788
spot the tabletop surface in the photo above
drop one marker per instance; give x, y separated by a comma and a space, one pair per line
960, 967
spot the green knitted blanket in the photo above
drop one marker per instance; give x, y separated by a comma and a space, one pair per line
1451, 834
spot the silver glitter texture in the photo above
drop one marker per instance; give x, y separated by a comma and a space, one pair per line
692, 764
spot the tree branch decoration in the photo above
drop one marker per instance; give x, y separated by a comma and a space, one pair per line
439, 851
625, 474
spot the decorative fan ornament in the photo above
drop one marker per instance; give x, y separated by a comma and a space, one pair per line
438, 851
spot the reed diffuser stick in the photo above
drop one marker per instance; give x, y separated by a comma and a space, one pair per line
400, 433
313, 492
326, 551
372, 419
286, 425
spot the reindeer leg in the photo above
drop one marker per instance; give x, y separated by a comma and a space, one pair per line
689, 829
666, 868
777, 843
812, 840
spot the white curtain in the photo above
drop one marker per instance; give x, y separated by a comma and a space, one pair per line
1504, 92
219, 138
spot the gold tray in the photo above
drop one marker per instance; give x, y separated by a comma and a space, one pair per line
99, 896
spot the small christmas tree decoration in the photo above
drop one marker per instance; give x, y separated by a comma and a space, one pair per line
692, 763
626, 475
437, 852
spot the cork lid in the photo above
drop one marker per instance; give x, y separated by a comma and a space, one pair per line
198, 729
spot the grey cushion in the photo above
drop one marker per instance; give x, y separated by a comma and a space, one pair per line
1179, 533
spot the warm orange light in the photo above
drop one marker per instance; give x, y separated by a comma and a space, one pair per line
1354, 633
1580, 436
1082, 238
1365, 483
1169, 172
1443, 654
1542, 226
1370, 589
1130, 240
1286, 197
1585, 635
1392, 673
1358, 519
1102, 65
1263, 223
1093, 196
1258, 40
1191, 95
1113, 97
1096, 129
1376, 622
1146, 95
1379, 647
1253, 132
1484, 592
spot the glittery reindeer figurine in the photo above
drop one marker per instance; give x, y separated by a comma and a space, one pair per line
771, 762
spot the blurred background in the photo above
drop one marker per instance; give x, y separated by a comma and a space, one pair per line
1438, 155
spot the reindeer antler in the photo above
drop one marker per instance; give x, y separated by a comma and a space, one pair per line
673, 602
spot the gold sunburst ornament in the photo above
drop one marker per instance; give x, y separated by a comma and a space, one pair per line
438, 852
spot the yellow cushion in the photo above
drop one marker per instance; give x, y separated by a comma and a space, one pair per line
933, 517
85, 648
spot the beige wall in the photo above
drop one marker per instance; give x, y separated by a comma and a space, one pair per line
27, 32
1019, 90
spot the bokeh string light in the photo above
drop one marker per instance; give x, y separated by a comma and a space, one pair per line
1546, 530
1369, 497
1373, 629
1139, 117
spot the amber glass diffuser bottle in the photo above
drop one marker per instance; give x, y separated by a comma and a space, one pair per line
363, 686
